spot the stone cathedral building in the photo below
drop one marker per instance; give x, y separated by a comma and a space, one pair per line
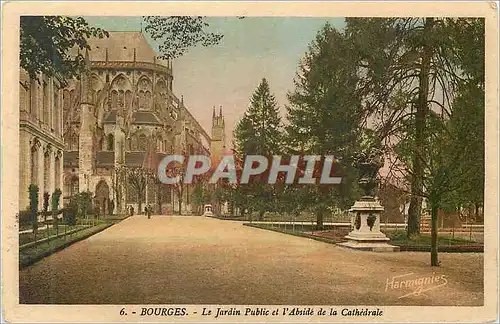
121, 113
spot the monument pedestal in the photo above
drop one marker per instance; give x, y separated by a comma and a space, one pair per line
366, 234
207, 210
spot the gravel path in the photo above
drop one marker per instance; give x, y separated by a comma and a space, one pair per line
196, 260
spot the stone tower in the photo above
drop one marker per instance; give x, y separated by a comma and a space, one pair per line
218, 143
86, 138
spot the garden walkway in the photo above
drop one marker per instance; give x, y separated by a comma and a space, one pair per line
197, 260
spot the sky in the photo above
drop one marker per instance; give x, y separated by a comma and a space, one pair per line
228, 73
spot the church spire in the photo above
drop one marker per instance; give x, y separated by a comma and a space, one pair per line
220, 111
213, 115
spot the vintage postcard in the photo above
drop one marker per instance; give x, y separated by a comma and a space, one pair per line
249, 161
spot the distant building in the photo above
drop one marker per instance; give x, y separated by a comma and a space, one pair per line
41, 142
218, 143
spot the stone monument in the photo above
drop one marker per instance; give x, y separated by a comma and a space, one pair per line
207, 210
365, 233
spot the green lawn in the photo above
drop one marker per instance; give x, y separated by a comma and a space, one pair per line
298, 227
42, 233
32, 254
276, 217
335, 234
400, 238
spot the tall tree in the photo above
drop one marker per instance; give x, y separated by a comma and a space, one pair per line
325, 114
467, 120
408, 69
259, 133
448, 148
451, 146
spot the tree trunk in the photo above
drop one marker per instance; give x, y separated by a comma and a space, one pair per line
415, 207
434, 236
319, 218
414, 211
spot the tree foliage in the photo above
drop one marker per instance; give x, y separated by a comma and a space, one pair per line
82, 203
46, 42
423, 85
325, 115
176, 34
412, 67
259, 132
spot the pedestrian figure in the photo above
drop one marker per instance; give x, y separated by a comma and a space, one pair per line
148, 211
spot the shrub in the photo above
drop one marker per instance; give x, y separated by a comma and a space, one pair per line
55, 199
46, 198
33, 196
82, 202
55, 204
70, 212
111, 206
69, 215
25, 217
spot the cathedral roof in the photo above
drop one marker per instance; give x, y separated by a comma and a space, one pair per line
105, 158
145, 117
137, 159
134, 158
138, 117
120, 46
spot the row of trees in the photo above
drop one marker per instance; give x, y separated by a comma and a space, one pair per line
415, 85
